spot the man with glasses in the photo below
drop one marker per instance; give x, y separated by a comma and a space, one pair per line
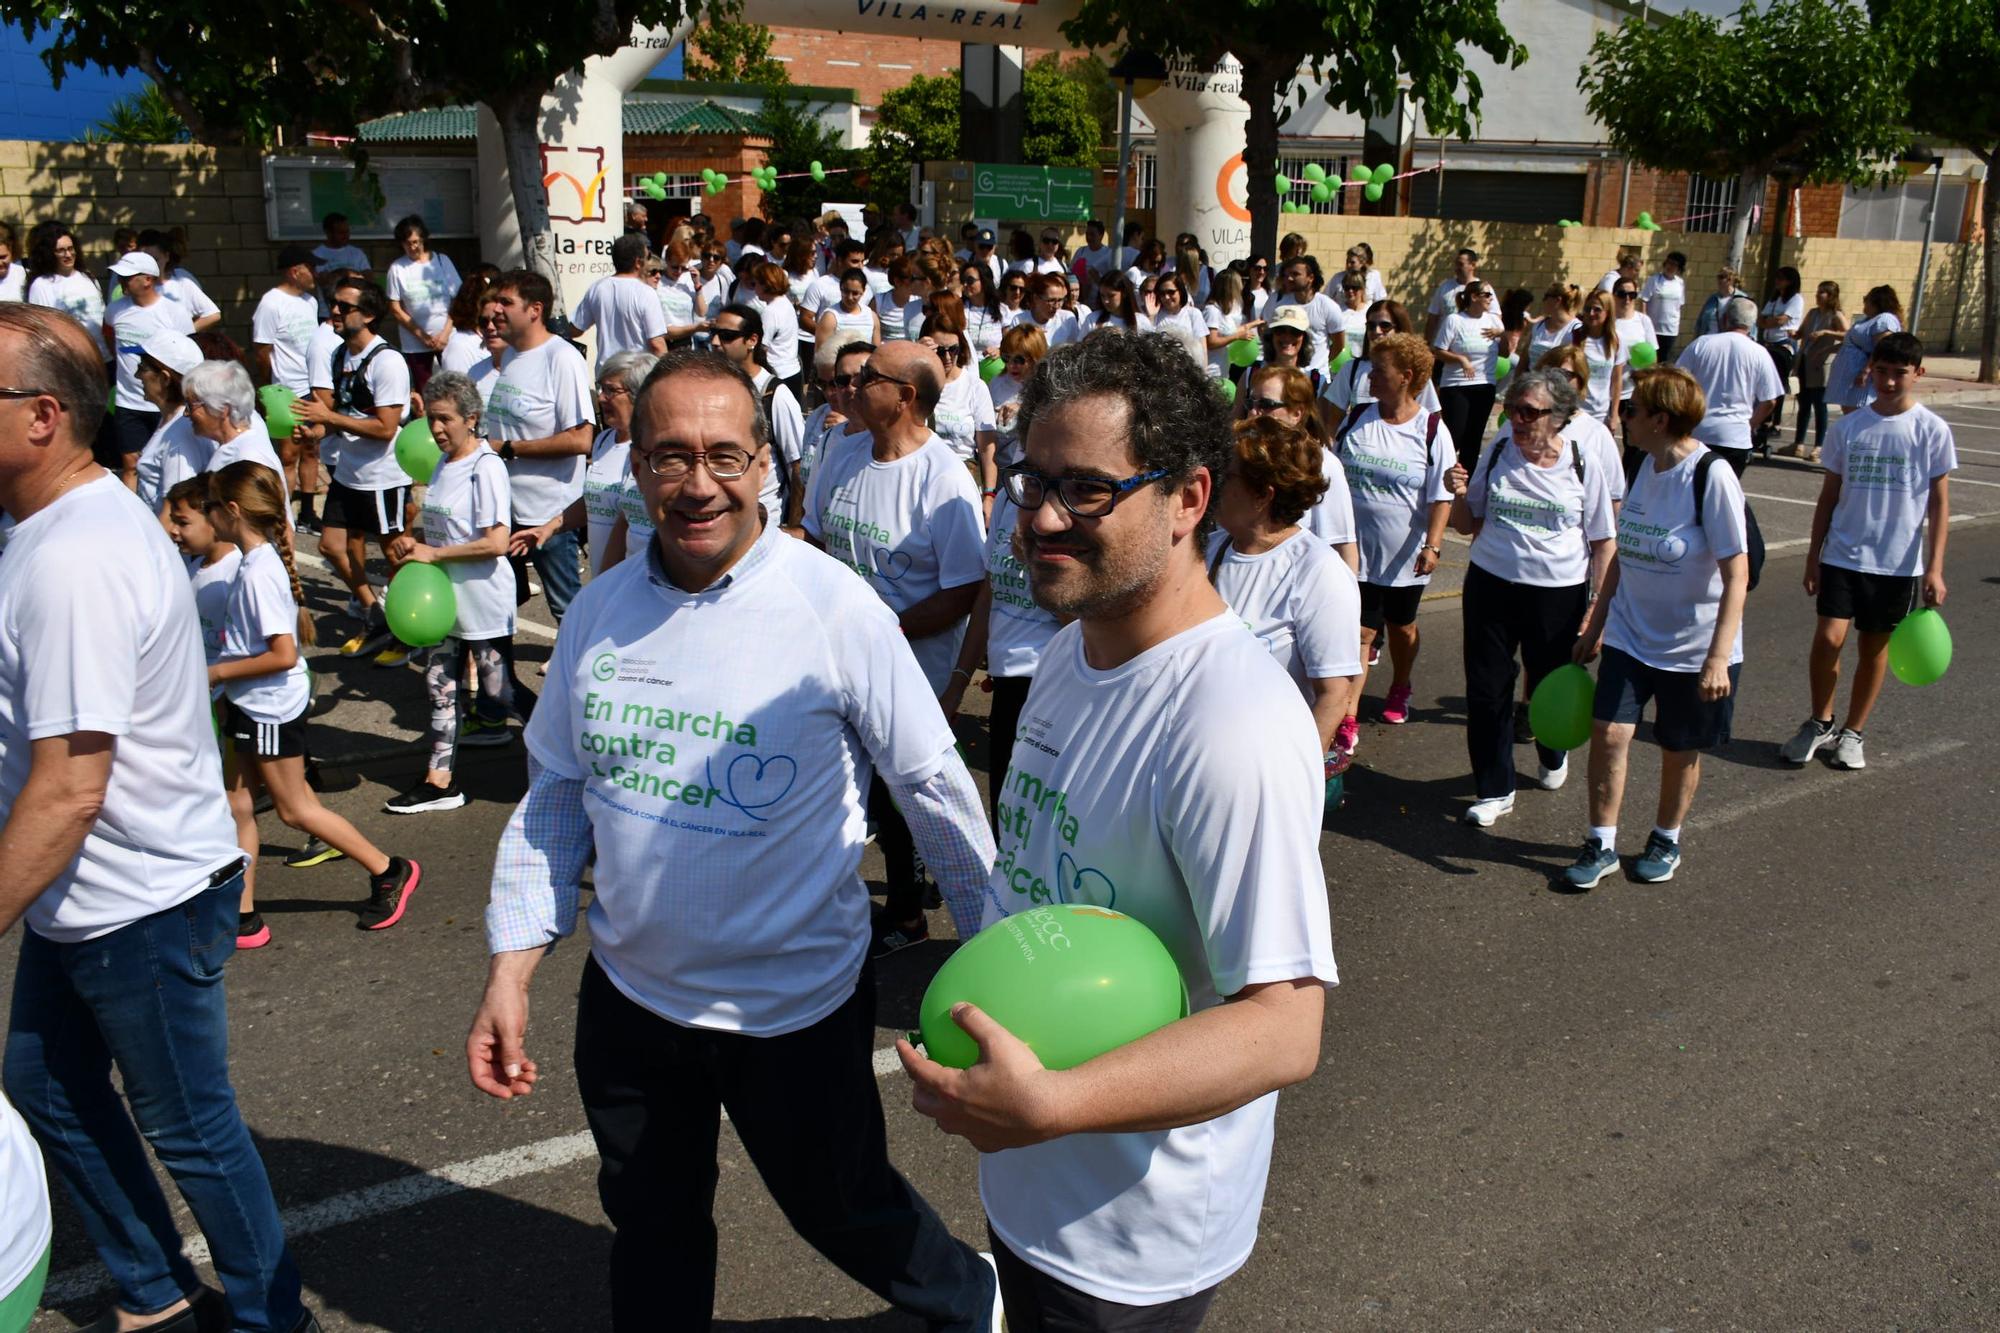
1044, 309
899, 509
739, 335
713, 280
833, 420
720, 785
1168, 769
122, 861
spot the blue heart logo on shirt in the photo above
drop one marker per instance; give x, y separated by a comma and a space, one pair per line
1083, 883
891, 565
751, 783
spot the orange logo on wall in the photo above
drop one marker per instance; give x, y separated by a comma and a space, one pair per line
581, 171
1226, 196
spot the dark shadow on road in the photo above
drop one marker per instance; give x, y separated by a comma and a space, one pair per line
1420, 820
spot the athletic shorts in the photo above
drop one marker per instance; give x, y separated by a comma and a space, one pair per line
1682, 719
1876, 603
1381, 604
370, 513
265, 740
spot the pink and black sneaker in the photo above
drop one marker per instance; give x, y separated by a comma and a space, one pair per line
251, 932
1396, 709
391, 894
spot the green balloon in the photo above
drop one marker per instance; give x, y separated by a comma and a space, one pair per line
1360, 175
990, 367
1314, 173
1284, 183
275, 401
1920, 648
1071, 980
416, 452
1642, 355
1645, 219
420, 605
1340, 362
1503, 366
1559, 710
818, 171
1383, 173
1321, 192
1228, 388
1372, 192
1243, 352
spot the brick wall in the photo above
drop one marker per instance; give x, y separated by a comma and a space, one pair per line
1665, 195
688, 154
871, 65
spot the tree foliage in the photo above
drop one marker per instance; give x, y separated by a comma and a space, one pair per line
726, 52
1359, 49
1060, 128
1089, 74
1798, 89
798, 139
914, 124
142, 117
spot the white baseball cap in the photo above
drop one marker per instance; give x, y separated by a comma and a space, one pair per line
134, 264
176, 351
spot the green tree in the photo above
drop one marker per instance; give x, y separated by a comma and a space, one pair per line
798, 139
1361, 50
1088, 73
1060, 128
725, 52
1952, 48
1799, 90
142, 117
914, 124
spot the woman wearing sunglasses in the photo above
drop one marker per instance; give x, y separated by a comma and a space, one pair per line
1537, 506
963, 417
1256, 286
1634, 326
1013, 297
1286, 396
1349, 389
984, 319
851, 321
1022, 349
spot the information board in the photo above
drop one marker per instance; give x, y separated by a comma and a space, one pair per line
299, 191
1044, 194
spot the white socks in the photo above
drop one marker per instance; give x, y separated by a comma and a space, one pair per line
1606, 836
1672, 835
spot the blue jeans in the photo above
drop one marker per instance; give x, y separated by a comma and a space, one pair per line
559, 561
148, 996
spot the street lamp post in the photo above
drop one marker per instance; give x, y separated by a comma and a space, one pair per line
1132, 67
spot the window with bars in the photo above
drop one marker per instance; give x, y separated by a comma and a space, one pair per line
1710, 204
1146, 167
1146, 178
677, 187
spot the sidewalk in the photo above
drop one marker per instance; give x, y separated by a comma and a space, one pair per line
1955, 379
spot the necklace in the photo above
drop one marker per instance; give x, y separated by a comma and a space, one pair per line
64, 483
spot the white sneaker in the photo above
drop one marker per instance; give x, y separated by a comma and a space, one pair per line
1552, 779
999, 1324
1481, 814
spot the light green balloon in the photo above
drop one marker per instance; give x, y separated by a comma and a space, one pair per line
420, 605
1340, 362
1372, 192
1360, 175
1920, 648
1559, 710
1070, 980
1284, 183
417, 452
1642, 355
1228, 388
1321, 192
1314, 173
1243, 352
1383, 173
991, 367
1503, 366
275, 401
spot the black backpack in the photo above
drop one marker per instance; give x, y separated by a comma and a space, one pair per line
1493, 456
1354, 415
351, 393
1753, 536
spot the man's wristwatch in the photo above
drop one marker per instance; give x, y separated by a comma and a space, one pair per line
1434, 550
507, 450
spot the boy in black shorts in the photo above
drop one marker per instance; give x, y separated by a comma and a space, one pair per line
1878, 540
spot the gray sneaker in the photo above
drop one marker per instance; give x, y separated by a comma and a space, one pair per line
1595, 862
1657, 864
1847, 750
1812, 734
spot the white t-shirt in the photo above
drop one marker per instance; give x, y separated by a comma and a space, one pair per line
1300, 600
1217, 320
1539, 521
1736, 375
728, 806
361, 463
1332, 519
1633, 330
983, 330
1182, 788
1597, 393
910, 527
712, 295
1886, 466
1608, 281
211, 585
261, 607
1350, 385
466, 497
1017, 631
132, 325
462, 351
625, 312
1851, 361
14, 283
1063, 326
1444, 301
604, 479
1542, 338
252, 445
344, 256
537, 394
1395, 473
98, 633
1003, 389
180, 287
900, 319
1598, 444
781, 334
1467, 336
77, 296
285, 323
813, 435
964, 409
788, 429
174, 454
324, 345
24, 1194
1794, 312
677, 305
424, 289
1663, 297
1324, 317
1669, 582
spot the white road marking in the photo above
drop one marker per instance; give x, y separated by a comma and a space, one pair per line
1942, 408
393, 1196
521, 623
1806, 783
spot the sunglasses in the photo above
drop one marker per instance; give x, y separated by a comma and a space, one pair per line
1522, 412
728, 335
1262, 404
1382, 325
342, 307
1625, 294
869, 375
1017, 361
846, 381
1013, 289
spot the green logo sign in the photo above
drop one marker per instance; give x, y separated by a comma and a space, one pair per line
1047, 194
604, 667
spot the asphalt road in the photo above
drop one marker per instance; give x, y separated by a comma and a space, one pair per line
1764, 1095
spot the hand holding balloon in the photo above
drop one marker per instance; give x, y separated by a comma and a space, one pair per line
1006, 1100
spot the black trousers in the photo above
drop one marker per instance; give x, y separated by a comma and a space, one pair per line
1465, 408
808, 1112
1667, 343
1038, 1303
1010, 693
1502, 619
1781, 357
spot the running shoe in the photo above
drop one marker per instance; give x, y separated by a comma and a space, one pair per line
477, 733
424, 796
1657, 864
373, 637
893, 939
251, 932
1592, 864
1812, 734
1552, 779
1481, 814
1847, 750
1396, 709
395, 655
997, 1319
314, 853
390, 894
1375, 650
1346, 740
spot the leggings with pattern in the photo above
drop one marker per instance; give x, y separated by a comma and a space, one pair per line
442, 674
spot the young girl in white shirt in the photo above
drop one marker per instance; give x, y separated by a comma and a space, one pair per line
263, 678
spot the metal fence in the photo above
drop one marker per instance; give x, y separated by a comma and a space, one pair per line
1710, 204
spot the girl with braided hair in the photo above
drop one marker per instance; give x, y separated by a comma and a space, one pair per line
263, 678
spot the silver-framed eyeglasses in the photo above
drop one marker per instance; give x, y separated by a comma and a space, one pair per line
724, 464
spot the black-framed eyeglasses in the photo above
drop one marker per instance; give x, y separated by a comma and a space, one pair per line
613, 389
488, 321
948, 351
33, 393
1085, 497
1624, 293
342, 307
869, 375
1522, 412
1382, 325
1261, 404
846, 381
727, 335
724, 464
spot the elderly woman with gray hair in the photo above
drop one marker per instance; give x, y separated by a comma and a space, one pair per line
222, 408
1538, 509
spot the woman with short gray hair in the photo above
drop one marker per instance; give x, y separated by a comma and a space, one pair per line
1538, 509
222, 406
610, 494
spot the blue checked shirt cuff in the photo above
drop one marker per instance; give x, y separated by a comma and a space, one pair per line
539, 865
949, 827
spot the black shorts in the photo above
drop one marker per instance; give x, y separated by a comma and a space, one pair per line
1682, 719
1381, 604
370, 513
1876, 603
265, 740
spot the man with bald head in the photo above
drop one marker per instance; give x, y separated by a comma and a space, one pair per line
122, 860
898, 508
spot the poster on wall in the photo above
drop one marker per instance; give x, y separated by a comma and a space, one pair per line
299, 191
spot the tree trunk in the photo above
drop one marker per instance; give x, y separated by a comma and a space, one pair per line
1260, 154
1989, 320
1749, 196
520, 143
1774, 257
